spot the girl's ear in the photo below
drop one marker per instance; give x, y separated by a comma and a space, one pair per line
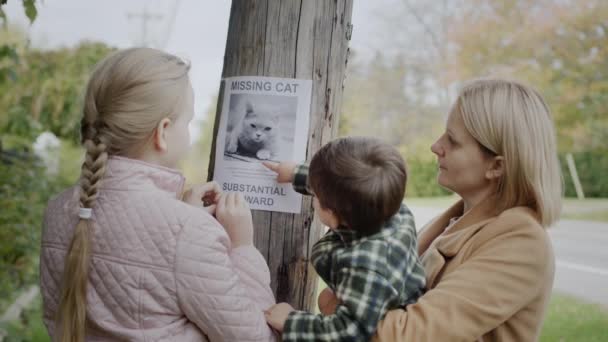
160, 135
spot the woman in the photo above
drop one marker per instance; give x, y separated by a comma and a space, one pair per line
488, 259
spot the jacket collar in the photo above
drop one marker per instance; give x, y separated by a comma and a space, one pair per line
135, 175
451, 241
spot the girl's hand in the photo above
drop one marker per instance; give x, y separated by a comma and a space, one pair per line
277, 314
234, 215
284, 170
205, 196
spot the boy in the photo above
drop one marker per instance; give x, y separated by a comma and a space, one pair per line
369, 256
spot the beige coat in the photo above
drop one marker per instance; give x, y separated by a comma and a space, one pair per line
489, 278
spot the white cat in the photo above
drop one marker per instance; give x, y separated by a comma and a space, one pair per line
255, 135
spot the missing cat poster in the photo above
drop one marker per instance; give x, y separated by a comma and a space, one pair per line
262, 119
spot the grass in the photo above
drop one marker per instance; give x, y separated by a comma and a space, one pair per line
30, 328
569, 319
589, 209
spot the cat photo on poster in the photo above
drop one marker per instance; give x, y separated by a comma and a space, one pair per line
262, 119
260, 127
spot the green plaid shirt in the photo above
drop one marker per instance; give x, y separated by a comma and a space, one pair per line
370, 275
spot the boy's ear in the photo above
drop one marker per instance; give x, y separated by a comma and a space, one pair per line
160, 135
496, 168
334, 219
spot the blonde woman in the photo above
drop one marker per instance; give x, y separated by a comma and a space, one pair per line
123, 257
488, 259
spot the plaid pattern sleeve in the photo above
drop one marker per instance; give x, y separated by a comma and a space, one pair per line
300, 179
372, 275
365, 296
321, 257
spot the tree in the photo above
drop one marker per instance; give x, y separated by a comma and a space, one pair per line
46, 91
559, 47
29, 6
379, 101
8, 52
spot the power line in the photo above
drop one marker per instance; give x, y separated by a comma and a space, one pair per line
145, 16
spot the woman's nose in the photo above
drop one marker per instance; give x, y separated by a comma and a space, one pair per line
436, 148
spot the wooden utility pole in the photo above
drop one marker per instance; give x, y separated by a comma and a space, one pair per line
304, 39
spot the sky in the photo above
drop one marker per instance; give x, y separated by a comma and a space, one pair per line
192, 29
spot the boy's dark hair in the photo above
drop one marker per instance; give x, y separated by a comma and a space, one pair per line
362, 180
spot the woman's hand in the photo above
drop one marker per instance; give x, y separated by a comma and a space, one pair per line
328, 302
234, 215
284, 170
205, 196
277, 314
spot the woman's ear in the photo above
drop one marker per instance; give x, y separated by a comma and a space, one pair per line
160, 135
496, 168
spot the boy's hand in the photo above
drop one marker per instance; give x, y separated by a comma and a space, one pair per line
328, 302
284, 170
277, 314
234, 215
204, 196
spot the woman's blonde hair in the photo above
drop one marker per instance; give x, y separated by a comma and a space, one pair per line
513, 120
128, 94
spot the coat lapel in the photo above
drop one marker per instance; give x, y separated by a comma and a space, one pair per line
436, 246
434, 228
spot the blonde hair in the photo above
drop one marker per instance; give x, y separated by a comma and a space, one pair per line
128, 94
514, 121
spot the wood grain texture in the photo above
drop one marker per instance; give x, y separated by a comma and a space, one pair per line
294, 39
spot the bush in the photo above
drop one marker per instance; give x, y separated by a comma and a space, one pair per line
422, 178
29, 327
592, 168
24, 191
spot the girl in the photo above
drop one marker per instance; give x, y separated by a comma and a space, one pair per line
123, 257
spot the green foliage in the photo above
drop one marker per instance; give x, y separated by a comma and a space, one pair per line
559, 47
30, 328
591, 167
569, 320
39, 91
24, 191
394, 110
29, 6
391, 107
422, 178
8, 58
30, 9
47, 92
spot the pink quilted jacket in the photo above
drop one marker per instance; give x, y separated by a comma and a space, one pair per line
161, 270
